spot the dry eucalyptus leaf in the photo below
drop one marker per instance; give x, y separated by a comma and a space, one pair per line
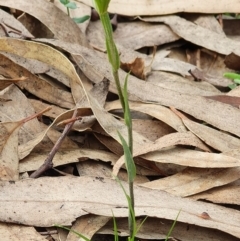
194, 180
14, 232
19, 108
48, 55
34, 160
157, 111
37, 86
180, 84
192, 158
154, 151
102, 197
198, 35
8, 150
87, 225
15, 28
161, 7
47, 13
225, 194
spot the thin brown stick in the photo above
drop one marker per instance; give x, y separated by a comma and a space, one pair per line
48, 164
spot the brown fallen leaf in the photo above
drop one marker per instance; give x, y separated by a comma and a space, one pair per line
87, 225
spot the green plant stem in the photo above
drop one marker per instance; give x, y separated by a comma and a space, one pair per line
113, 57
119, 89
68, 12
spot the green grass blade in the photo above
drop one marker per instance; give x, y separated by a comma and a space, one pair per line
78, 234
172, 227
115, 228
130, 165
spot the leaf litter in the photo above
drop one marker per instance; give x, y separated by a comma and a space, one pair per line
185, 119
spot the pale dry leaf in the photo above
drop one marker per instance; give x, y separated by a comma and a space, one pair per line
154, 150
192, 158
206, 110
87, 225
49, 56
43, 70
228, 194
161, 7
52, 17
25, 149
151, 129
14, 232
52, 113
104, 170
102, 198
132, 35
19, 108
8, 150
181, 67
96, 68
157, 111
36, 85
194, 180
34, 160
182, 85
198, 35
32, 65
16, 29
219, 140
210, 22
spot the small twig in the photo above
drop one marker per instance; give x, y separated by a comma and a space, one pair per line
194, 76
48, 164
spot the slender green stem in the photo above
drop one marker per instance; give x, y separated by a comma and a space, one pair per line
113, 57
119, 89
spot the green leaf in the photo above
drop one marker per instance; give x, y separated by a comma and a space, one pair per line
64, 2
237, 81
231, 75
71, 5
81, 19
130, 165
